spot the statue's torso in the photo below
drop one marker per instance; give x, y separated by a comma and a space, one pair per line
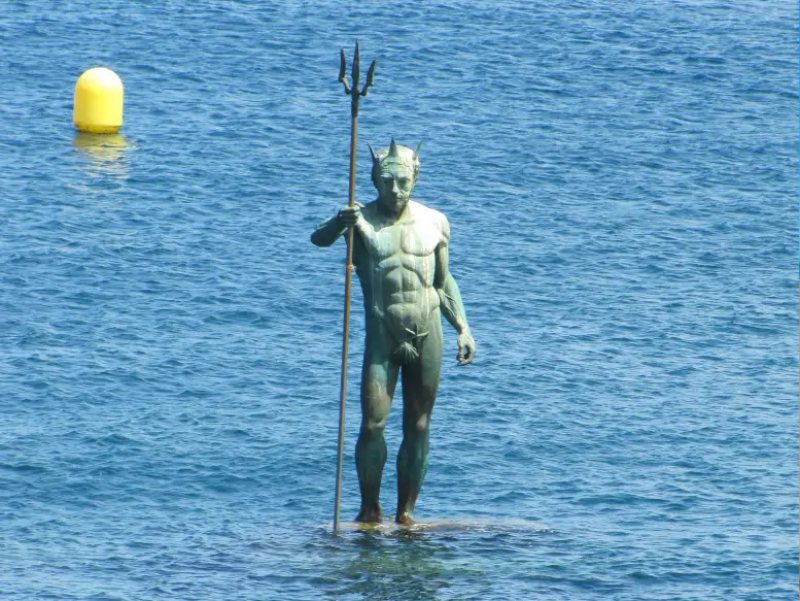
396, 264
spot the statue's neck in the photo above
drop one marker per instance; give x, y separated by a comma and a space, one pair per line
390, 215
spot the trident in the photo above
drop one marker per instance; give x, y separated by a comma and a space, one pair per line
355, 93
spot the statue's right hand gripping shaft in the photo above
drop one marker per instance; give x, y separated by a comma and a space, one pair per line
329, 231
348, 216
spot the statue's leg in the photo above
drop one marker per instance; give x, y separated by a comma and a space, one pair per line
378, 381
420, 382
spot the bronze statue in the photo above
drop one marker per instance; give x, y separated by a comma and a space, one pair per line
400, 252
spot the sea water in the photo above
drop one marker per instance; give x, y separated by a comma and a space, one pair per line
621, 183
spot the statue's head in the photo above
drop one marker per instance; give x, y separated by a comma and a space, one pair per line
394, 173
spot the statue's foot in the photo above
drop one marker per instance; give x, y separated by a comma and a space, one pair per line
404, 519
370, 516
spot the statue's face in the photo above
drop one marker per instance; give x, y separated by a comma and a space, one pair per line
395, 183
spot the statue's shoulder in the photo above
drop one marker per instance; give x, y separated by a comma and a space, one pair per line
430, 216
368, 210
427, 213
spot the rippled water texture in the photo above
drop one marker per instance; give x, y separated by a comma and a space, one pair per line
621, 180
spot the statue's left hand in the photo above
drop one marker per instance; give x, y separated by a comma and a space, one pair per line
466, 348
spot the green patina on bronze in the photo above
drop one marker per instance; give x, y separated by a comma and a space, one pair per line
401, 255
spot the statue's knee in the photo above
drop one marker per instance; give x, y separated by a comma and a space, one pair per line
373, 427
422, 425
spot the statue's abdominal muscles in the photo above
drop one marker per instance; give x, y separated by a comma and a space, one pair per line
398, 280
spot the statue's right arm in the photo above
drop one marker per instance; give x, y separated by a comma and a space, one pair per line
329, 231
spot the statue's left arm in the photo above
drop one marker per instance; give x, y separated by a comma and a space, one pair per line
450, 299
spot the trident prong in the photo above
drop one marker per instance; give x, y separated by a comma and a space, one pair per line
370, 78
355, 75
343, 74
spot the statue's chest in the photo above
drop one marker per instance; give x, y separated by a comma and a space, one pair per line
409, 238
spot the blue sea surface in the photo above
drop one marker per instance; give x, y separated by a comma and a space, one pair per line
621, 181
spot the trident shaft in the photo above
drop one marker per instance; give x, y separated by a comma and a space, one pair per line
352, 90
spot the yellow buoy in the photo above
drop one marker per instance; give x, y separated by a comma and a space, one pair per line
98, 102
